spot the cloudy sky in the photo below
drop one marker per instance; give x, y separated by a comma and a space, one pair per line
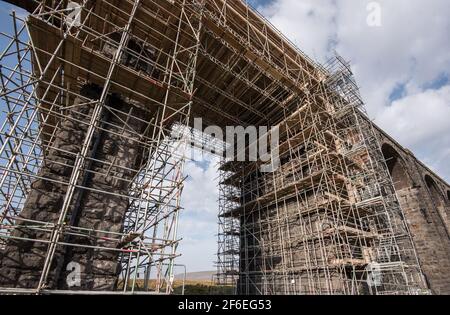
402, 67
401, 62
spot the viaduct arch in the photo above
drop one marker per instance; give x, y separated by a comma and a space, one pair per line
90, 175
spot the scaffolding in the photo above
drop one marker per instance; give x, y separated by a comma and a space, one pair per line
92, 170
91, 178
327, 221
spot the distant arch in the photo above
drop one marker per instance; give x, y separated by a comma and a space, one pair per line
434, 190
448, 195
438, 199
396, 166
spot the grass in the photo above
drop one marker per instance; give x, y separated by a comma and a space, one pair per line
192, 287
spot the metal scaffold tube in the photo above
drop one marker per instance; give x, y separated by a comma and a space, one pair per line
91, 180
100, 99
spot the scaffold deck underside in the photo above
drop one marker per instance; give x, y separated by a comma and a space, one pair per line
92, 174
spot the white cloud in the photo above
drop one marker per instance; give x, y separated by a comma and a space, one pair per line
408, 52
411, 47
201, 188
308, 23
421, 121
411, 124
198, 221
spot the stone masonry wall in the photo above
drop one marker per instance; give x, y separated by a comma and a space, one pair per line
22, 261
423, 198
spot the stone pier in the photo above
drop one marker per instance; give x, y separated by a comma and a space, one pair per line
114, 160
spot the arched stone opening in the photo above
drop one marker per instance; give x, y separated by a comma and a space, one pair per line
434, 190
396, 168
448, 195
438, 199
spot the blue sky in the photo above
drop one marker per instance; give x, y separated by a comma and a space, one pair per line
402, 67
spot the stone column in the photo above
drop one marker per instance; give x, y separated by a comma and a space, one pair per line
101, 207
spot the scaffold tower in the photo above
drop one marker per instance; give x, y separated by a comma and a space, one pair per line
92, 172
